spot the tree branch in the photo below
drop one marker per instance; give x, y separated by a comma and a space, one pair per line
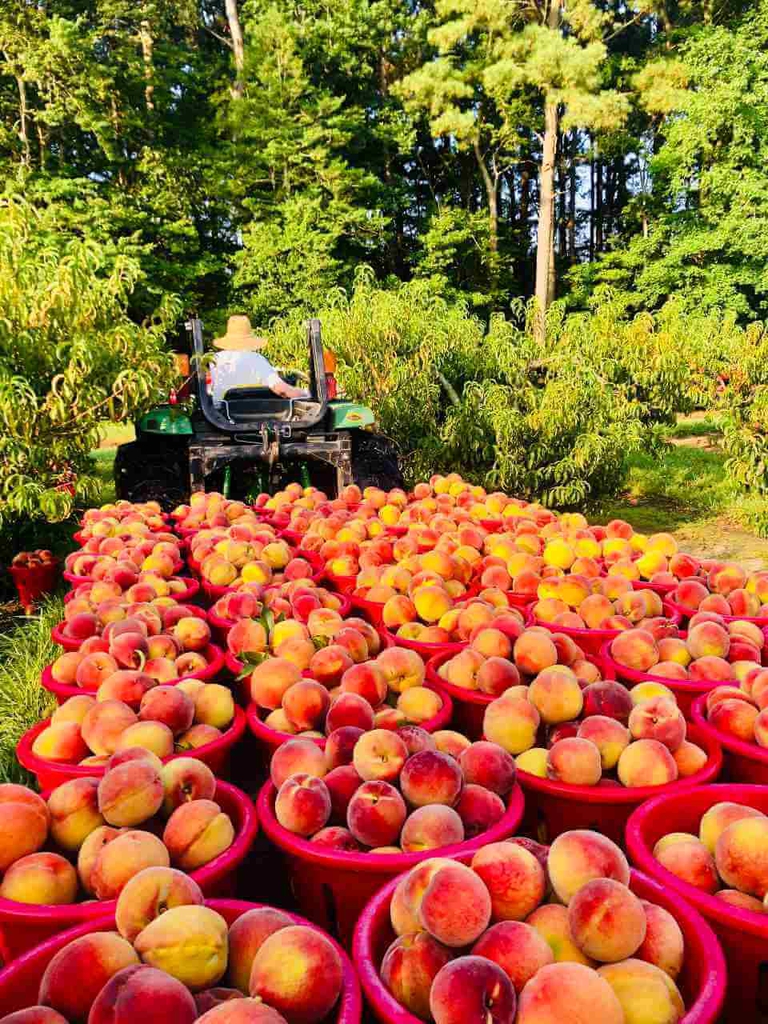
222, 39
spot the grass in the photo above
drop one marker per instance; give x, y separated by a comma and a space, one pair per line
24, 652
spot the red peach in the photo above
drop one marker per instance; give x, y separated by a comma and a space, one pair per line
140, 992
472, 990
646, 763
568, 992
342, 783
574, 761
296, 756
514, 878
246, 937
691, 862
489, 765
479, 809
379, 754
663, 945
431, 778
376, 813
607, 920
658, 719
303, 804
349, 709
409, 968
431, 828
607, 698
579, 856
455, 906
517, 948
92, 960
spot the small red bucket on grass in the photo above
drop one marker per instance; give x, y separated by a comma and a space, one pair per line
702, 981
331, 888
50, 774
554, 807
34, 582
24, 925
742, 761
20, 983
742, 933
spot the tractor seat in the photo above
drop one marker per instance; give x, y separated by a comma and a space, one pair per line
248, 405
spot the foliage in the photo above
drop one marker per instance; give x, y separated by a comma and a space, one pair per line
70, 357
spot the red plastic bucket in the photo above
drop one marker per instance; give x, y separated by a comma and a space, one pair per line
427, 651
24, 925
702, 981
686, 613
554, 807
20, 983
742, 762
742, 933
332, 887
686, 691
342, 584
34, 582
50, 774
469, 705
214, 656
270, 739
591, 641
662, 589
81, 581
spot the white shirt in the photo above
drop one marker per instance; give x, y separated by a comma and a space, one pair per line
240, 370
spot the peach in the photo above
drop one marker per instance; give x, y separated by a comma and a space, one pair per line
644, 991
303, 804
94, 669
635, 648
488, 765
479, 809
533, 652
568, 992
126, 685
741, 900
574, 761
609, 736
152, 736
556, 695
741, 856
379, 755
455, 905
140, 992
578, 857
122, 857
689, 759
376, 813
63, 743
517, 948
24, 822
416, 739
349, 709
658, 719
408, 893
73, 710
551, 922
341, 783
708, 639
169, 706
92, 960
214, 705
130, 793
337, 838
306, 704
646, 763
150, 893
594, 610
673, 837
329, 664
663, 945
402, 668
196, 833
74, 811
448, 741
692, 862
430, 828
607, 698
185, 779
514, 878
296, 756
192, 633
34, 1015
271, 679
306, 994
710, 669
533, 761
718, 817
419, 704
187, 942
246, 936
90, 850
189, 664
104, 724
735, 717
431, 778
64, 669
495, 676
366, 680
472, 990
340, 745
42, 878
607, 920
409, 968
648, 690
512, 722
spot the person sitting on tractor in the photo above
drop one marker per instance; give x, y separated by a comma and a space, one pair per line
241, 365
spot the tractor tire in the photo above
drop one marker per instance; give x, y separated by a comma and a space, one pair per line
375, 461
148, 471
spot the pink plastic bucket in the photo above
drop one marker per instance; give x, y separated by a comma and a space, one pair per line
213, 655
80, 581
742, 762
742, 933
50, 774
702, 981
591, 641
20, 983
342, 584
554, 807
331, 887
686, 613
270, 739
686, 691
24, 925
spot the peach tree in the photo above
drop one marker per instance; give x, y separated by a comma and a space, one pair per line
71, 357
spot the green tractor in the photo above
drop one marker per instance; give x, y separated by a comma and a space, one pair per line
254, 441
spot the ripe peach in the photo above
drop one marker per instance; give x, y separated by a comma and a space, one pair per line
341, 782
366, 680
63, 743
431, 778
646, 762
514, 878
122, 857
511, 722
402, 668
450, 742
718, 817
34, 1015
568, 991
607, 698
271, 679
556, 695
379, 754
92, 960
196, 833
419, 704
658, 719
689, 759
691, 862
472, 990
150, 893
741, 856
42, 878
609, 736
185, 779
187, 942
24, 822
409, 968
551, 922
140, 992
170, 706
663, 945
533, 652
74, 812
340, 745
635, 648
104, 723
303, 804
94, 669
376, 813
416, 739
303, 996
735, 717
740, 899
430, 828
246, 936
64, 669
578, 857
192, 633
455, 905
517, 948
607, 920
130, 793
296, 756
337, 838
329, 664
479, 809
488, 765
574, 761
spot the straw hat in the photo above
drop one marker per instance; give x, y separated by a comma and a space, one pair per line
239, 336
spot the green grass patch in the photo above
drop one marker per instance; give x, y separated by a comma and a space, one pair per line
696, 426
25, 650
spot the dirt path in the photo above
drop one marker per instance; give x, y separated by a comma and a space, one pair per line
721, 539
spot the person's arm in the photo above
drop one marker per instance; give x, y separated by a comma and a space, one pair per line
285, 390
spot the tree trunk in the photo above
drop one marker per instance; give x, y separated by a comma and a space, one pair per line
26, 152
492, 195
238, 47
147, 53
572, 185
546, 228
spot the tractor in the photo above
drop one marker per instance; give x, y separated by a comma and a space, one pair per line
254, 441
